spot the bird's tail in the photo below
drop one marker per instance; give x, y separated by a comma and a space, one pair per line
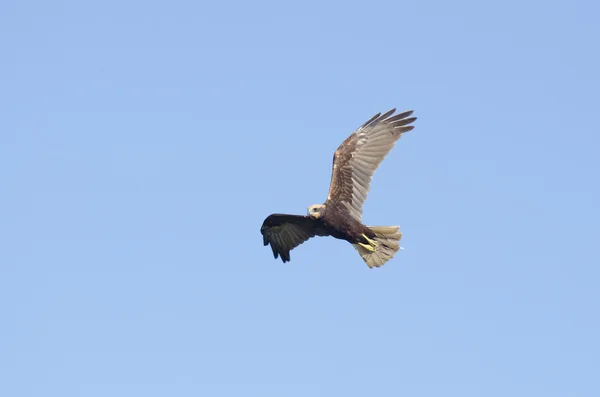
386, 245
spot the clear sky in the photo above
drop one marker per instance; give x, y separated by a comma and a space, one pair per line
143, 143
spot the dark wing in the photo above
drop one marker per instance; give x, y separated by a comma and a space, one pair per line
357, 158
286, 232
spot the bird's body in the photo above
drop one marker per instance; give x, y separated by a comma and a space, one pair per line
338, 224
354, 163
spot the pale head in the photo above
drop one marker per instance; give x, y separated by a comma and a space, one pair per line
316, 211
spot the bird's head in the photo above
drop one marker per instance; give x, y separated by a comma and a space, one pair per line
316, 211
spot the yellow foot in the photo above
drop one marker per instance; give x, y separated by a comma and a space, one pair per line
371, 242
367, 247
371, 246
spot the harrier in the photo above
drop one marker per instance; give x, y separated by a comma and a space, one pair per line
354, 164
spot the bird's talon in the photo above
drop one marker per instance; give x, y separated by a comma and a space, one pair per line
373, 243
367, 247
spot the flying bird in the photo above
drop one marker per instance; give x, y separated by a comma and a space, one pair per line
354, 164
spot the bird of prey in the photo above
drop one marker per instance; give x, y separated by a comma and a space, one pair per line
354, 164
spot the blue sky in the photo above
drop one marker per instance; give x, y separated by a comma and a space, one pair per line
142, 144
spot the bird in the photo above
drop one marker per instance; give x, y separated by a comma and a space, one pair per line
340, 216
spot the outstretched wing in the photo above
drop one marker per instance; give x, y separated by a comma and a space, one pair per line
286, 232
357, 158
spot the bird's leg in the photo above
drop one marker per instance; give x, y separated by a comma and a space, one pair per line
371, 246
371, 242
367, 247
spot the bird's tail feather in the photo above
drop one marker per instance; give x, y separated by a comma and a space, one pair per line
387, 239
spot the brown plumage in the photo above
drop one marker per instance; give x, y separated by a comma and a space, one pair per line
354, 164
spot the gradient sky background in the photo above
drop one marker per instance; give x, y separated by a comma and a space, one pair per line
143, 143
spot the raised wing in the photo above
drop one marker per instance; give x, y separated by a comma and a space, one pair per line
286, 232
357, 158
